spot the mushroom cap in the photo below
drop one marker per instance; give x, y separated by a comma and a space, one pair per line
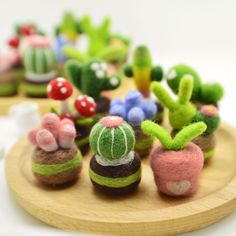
85, 105
59, 89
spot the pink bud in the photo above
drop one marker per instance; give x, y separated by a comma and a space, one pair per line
66, 136
32, 136
67, 121
51, 122
46, 140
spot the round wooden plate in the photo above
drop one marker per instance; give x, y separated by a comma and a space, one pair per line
145, 212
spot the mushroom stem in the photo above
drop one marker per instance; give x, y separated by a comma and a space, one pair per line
65, 107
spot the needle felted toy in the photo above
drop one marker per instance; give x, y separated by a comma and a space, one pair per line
82, 115
56, 159
176, 164
91, 79
202, 93
181, 111
135, 109
207, 141
142, 70
115, 168
40, 66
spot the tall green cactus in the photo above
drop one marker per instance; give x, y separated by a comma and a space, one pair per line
91, 78
181, 112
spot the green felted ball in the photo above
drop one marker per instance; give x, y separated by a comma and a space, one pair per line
176, 73
112, 138
211, 93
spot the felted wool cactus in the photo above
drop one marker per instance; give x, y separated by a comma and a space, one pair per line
115, 168
91, 79
181, 111
142, 70
176, 164
40, 66
207, 141
202, 93
134, 110
56, 159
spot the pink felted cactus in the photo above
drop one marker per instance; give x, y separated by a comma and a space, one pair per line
53, 134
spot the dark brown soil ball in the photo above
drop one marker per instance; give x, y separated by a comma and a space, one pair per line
103, 105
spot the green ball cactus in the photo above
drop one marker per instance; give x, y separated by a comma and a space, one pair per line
112, 138
91, 78
181, 112
203, 93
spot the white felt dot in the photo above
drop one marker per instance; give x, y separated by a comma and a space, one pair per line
100, 74
63, 90
59, 84
49, 88
90, 100
83, 104
91, 109
114, 81
171, 75
60, 79
94, 66
104, 66
80, 98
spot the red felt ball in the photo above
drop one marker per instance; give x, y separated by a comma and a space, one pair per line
85, 105
13, 42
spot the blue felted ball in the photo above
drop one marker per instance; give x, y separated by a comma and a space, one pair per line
118, 110
149, 108
116, 101
60, 42
132, 99
135, 116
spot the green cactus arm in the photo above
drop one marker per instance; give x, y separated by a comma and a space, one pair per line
128, 71
153, 129
211, 93
105, 28
187, 134
73, 53
73, 72
185, 89
111, 83
86, 25
157, 73
163, 96
79, 27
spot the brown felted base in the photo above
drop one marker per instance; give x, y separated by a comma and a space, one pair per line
116, 172
84, 149
58, 157
103, 105
142, 150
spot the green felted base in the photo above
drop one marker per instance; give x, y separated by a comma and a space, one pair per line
34, 90
8, 89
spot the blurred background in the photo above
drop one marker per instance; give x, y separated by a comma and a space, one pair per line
201, 33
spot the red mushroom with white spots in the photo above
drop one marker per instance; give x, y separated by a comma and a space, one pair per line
85, 105
60, 89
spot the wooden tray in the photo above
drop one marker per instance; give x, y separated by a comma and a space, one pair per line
145, 212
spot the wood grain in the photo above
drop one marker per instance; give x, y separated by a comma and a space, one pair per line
78, 207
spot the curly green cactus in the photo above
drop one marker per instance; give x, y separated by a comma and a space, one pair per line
91, 78
142, 70
69, 26
112, 138
181, 112
202, 93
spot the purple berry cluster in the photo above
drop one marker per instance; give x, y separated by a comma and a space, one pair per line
134, 109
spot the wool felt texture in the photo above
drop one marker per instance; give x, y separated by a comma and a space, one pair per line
116, 180
180, 140
177, 173
91, 78
203, 93
112, 142
103, 105
38, 90
8, 83
212, 121
181, 112
58, 167
142, 70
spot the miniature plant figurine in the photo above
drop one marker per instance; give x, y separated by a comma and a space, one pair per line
134, 110
176, 164
56, 159
115, 168
83, 118
142, 70
40, 66
181, 112
91, 79
202, 93
207, 141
